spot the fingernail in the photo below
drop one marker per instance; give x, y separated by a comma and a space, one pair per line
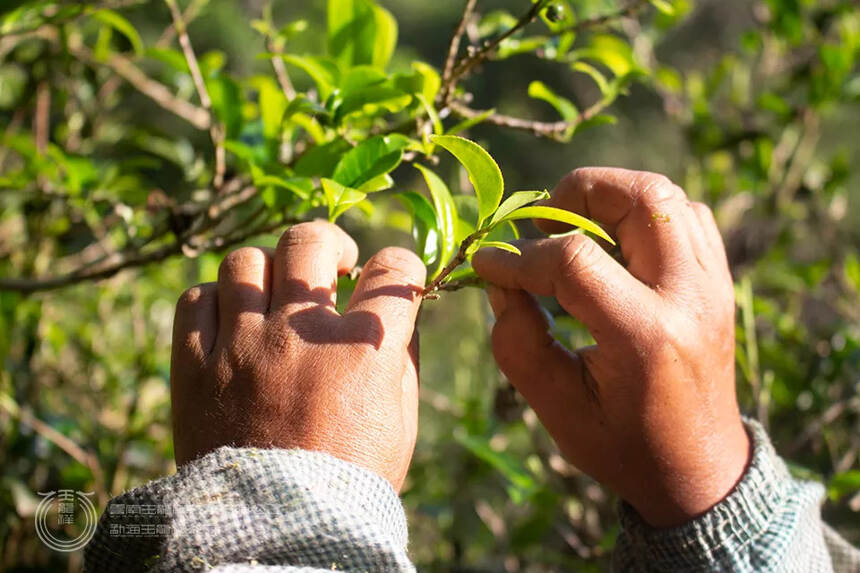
498, 299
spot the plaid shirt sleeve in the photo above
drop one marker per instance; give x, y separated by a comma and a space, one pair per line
247, 509
769, 522
290, 510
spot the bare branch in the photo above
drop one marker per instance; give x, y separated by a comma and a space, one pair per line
488, 48
627, 11
281, 71
448, 84
125, 260
191, 12
216, 131
79, 454
458, 260
156, 91
550, 129
42, 117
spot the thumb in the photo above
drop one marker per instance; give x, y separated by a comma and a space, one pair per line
588, 283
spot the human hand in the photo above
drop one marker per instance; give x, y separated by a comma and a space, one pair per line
262, 358
651, 410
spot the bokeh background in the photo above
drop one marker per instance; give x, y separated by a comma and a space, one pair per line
751, 106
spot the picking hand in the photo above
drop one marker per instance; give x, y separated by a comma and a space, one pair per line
650, 410
262, 358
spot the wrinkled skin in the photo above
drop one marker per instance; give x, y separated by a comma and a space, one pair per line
262, 358
650, 410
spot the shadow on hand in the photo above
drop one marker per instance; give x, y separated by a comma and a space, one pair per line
321, 324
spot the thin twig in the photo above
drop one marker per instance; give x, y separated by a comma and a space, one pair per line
216, 130
42, 117
191, 12
459, 259
154, 90
79, 454
448, 84
550, 129
628, 11
125, 260
281, 71
488, 48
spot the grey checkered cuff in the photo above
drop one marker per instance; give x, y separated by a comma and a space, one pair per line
299, 510
769, 522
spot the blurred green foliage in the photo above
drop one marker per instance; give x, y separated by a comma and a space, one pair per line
127, 166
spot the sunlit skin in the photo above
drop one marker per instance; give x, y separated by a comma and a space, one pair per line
262, 358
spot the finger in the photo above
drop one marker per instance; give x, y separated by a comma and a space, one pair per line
588, 283
195, 324
711, 233
307, 261
645, 211
717, 249
552, 379
387, 297
244, 278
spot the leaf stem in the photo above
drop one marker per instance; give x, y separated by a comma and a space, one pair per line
216, 130
458, 260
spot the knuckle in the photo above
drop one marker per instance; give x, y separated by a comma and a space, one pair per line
192, 296
400, 261
576, 253
656, 188
581, 177
305, 233
241, 258
703, 210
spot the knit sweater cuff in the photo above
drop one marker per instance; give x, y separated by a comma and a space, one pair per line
246, 506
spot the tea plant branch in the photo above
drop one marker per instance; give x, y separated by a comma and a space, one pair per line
630, 10
84, 457
154, 90
133, 258
216, 130
550, 129
191, 12
448, 84
281, 71
459, 259
486, 50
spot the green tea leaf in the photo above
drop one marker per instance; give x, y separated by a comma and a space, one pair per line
664, 7
515, 201
430, 80
359, 77
320, 160
562, 105
611, 51
503, 462
446, 214
561, 215
844, 483
121, 25
385, 40
324, 72
378, 183
424, 225
499, 245
594, 73
370, 158
360, 33
484, 173
471, 122
339, 197
371, 101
